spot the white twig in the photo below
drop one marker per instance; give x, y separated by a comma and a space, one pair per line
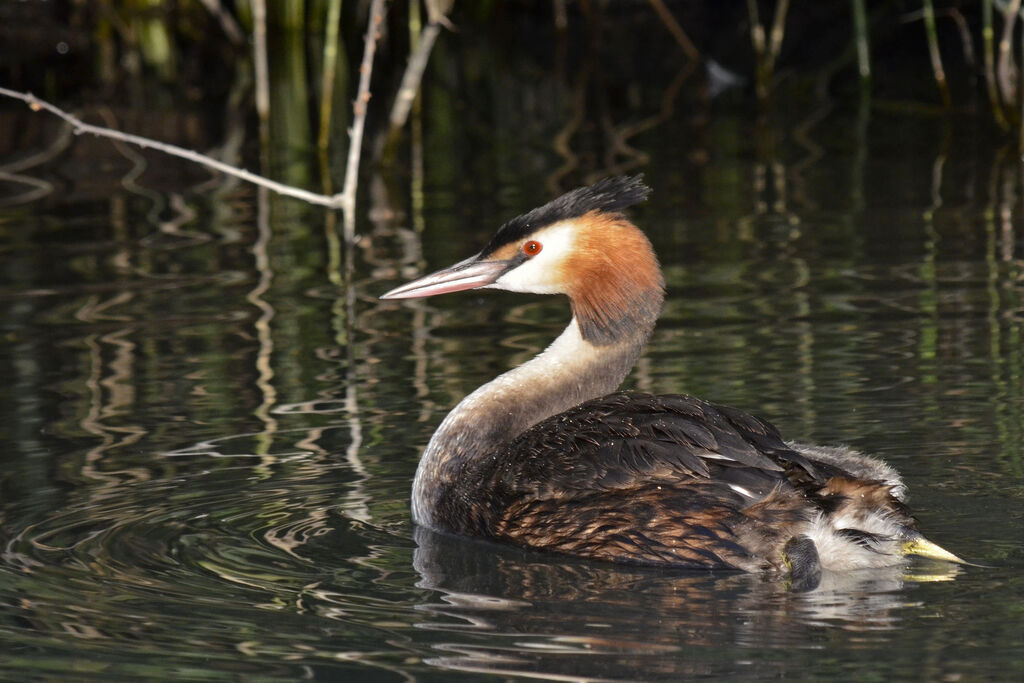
348, 194
79, 127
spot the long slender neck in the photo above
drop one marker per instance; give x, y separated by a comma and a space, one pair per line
616, 294
571, 370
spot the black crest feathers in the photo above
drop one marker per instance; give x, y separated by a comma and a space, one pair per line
610, 195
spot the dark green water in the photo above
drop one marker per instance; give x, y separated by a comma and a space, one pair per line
209, 439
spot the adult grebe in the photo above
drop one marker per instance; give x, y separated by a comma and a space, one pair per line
545, 457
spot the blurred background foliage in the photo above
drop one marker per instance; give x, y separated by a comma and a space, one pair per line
166, 60
830, 135
812, 130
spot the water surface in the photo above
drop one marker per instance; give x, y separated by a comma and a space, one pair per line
209, 436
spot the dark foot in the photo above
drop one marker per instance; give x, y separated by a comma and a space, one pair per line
801, 556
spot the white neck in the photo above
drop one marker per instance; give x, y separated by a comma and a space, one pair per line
571, 370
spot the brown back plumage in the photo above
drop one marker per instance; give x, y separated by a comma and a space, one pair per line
659, 480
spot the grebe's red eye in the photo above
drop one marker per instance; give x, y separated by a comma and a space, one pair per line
532, 248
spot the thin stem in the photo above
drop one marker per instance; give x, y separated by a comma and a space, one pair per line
359, 107
757, 39
330, 61
766, 52
1005, 69
226, 21
413, 75
965, 34
1020, 97
421, 42
860, 27
561, 16
933, 51
259, 44
778, 30
79, 127
675, 29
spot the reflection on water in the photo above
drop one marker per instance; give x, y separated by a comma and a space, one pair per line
547, 617
210, 436
192, 487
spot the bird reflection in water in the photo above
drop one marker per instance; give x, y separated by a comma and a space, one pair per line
519, 612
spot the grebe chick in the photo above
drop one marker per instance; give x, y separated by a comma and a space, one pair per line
546, 457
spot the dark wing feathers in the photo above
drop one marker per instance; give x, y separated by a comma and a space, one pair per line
664, 480
627, 439
765, 439
624, 458
677, 428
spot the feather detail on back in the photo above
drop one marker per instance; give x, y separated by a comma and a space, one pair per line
670, 480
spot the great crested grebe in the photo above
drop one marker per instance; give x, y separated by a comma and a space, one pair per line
546, 457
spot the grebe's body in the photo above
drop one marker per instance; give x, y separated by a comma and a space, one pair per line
546, 457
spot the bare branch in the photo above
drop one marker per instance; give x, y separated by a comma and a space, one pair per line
79, 127
413, 75
348, 195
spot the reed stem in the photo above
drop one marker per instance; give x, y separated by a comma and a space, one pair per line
757, 40
348, 196
262, 70
412, 77
766, 48
778, 31
860, 29
330, 64
933, 50
1020, 100
1005, 67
